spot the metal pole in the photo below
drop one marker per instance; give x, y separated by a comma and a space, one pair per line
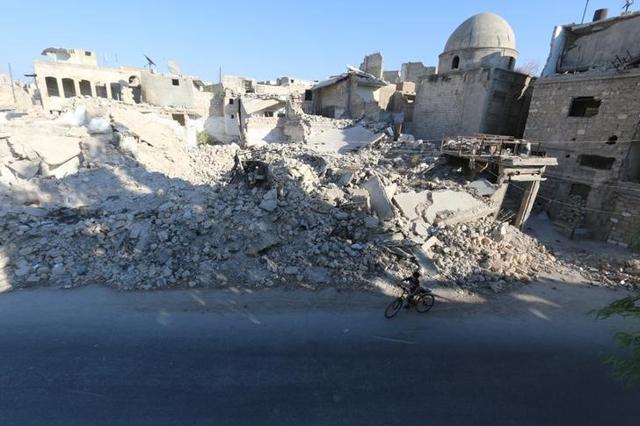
13, 89
585, 12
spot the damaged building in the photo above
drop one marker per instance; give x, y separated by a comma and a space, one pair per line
585, 112
245, 110
354, 93
67, 74
476, 89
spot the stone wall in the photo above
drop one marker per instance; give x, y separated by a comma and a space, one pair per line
477, 101
596, 154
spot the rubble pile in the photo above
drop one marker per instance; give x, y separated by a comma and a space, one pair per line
608, 271
488, 253
141, 211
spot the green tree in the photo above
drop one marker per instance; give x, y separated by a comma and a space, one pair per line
626, 367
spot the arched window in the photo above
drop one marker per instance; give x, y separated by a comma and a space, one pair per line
85, 88
512, 62
68, 87
455, 64
52, 86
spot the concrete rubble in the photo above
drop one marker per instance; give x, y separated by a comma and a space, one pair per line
126, 200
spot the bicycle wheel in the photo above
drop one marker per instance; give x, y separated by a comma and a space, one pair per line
425, 302
393, 308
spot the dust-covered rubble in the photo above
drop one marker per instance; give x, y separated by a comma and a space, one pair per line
142, 210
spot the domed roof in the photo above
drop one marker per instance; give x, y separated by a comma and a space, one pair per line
481, 31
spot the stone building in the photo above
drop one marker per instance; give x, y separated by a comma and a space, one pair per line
475, 89
586, 112
72, 73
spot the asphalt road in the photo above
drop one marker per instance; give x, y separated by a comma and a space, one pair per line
93, 356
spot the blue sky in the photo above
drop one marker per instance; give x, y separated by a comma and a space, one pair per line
262, 39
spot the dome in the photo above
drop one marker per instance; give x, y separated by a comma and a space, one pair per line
485, 30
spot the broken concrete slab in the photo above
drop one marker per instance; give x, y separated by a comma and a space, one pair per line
65, 169
26, 169
378, 197
482, 187
448, 201
335, 140
408, 201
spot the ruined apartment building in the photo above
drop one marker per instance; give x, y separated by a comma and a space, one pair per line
475, 89
586, 112
71, 73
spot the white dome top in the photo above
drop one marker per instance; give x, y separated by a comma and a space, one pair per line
484, 30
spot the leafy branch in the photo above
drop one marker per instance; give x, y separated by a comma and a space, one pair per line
625, 368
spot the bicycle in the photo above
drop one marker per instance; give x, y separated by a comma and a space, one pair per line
423, 301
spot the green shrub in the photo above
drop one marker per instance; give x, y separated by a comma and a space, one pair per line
626, 368
205, 138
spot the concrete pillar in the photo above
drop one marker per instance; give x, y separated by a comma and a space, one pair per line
498, 197
76, 84
528, 200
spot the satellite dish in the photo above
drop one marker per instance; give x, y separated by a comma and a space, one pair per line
150, 63
174, 68
627, 5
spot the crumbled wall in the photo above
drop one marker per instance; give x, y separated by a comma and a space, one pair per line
347, 99
23, 99
373, 64
413, 71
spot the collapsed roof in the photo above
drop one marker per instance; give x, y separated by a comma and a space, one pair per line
362, 78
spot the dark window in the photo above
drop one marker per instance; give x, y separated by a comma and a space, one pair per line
231, 101
586, 106
85, 87
308, 95
612, 140
68, 87
87, 53
455, 63
116, 91
179, 118
596, 161
52, 86
292, 80
580, 189
175, 82
233, 116
101, 90
268, 113
512, 62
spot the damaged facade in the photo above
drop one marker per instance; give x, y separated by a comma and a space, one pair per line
71, 73
585, 112
243, 110
476, 89
354, 93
